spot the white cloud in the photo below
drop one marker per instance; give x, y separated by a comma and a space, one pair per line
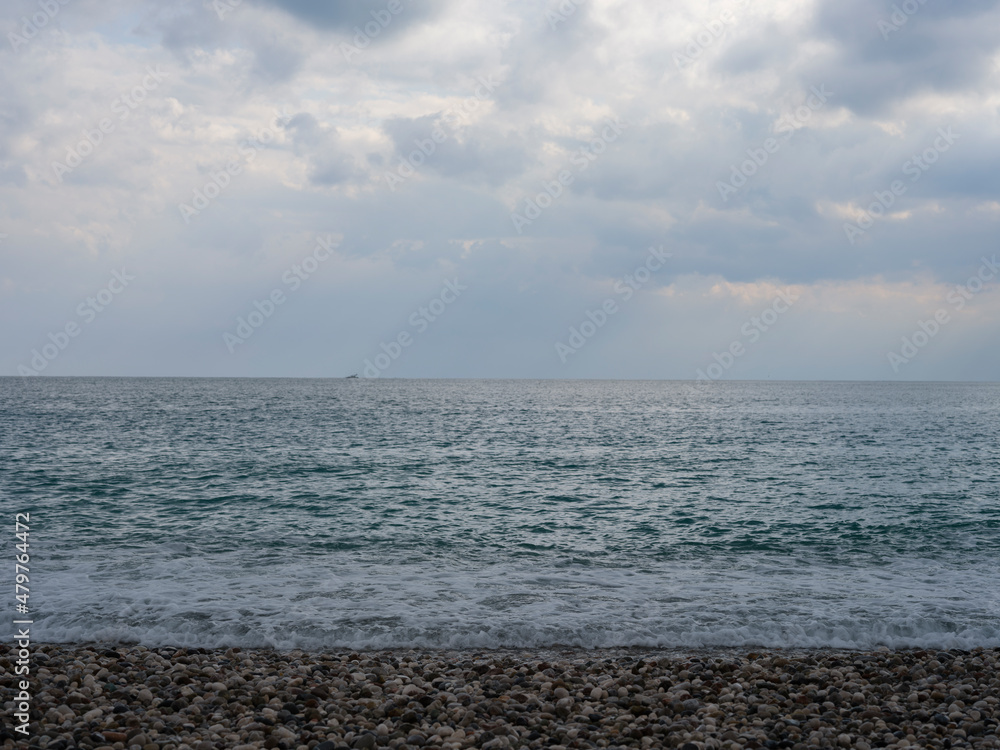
323, 170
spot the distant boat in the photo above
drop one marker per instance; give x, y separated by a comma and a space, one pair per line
351, 376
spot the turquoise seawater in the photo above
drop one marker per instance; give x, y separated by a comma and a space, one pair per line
378, 513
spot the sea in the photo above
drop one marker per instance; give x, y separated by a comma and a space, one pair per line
378, 513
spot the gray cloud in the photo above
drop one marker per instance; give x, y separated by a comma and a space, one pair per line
345, 15
321, 146
940, 47
323, 170
474, 154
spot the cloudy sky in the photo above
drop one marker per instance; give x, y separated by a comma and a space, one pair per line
791, 189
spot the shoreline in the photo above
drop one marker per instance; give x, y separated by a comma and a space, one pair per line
110, 695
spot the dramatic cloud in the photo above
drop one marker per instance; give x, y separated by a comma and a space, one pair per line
531, 155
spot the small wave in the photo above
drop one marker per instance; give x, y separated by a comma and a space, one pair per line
200, 632
330, 600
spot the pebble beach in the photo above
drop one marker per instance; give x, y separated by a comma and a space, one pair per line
114, 697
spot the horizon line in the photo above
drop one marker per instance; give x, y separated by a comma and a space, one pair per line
635, 380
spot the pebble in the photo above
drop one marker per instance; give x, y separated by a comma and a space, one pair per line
116, 697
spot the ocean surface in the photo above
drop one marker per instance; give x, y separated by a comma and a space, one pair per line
391, 513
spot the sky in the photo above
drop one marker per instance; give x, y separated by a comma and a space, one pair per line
783, 190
